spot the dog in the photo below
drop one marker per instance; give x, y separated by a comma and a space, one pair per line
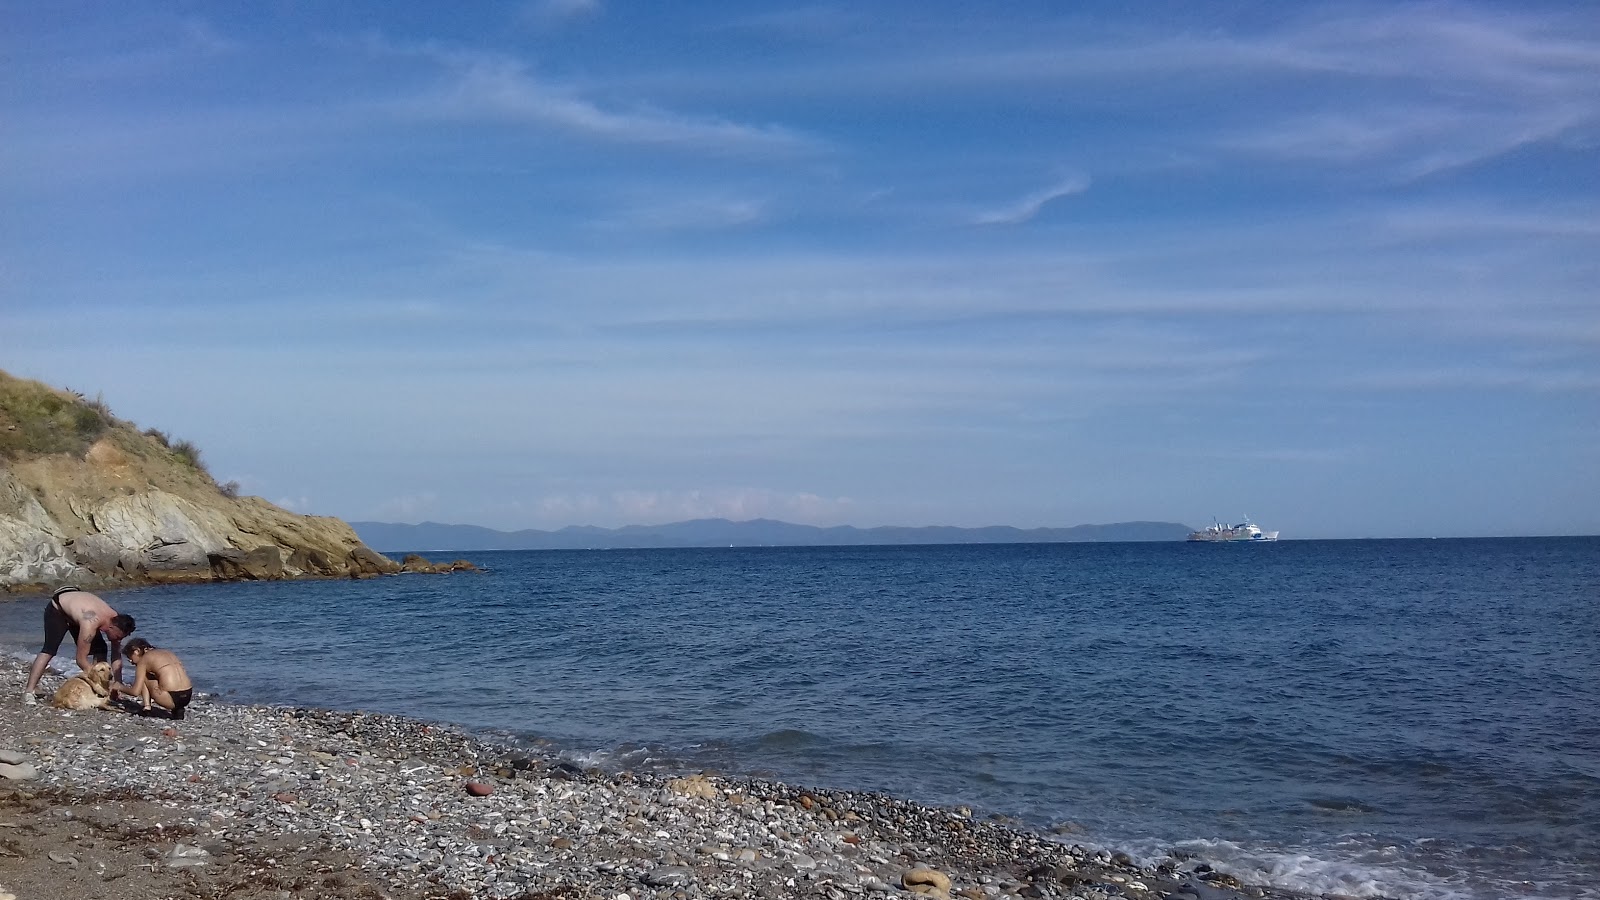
86, 690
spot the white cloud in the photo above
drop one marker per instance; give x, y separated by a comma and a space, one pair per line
1292, 455
1417, 140
1477, 220
687, 213
1458, 86
1028, 207
562, 10
1476, 378
655, 507
406, 508
490, 87
1420, 88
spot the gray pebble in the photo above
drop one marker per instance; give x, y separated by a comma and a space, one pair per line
20, 771
669, 876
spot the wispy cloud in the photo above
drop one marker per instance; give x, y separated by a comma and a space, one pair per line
487, 87
1460, 86
1420, 88
549, 11
655, 507
1420, 139
1465, 219
1477, 378
656, 212
1028, 207
1291, 455
802, 22
407, 508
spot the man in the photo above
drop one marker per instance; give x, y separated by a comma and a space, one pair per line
92, 624
158, 677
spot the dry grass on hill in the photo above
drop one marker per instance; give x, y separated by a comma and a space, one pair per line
37, 420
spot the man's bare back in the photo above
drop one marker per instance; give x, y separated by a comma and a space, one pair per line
97, 631
87, 609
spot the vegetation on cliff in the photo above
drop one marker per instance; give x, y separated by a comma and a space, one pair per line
39, 420
89, 498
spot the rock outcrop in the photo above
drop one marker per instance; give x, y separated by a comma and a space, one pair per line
90, 500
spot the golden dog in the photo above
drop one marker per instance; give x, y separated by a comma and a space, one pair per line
85, 690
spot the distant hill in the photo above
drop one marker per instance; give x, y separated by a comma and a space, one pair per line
754, 533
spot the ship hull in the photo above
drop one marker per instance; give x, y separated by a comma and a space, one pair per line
1243, 533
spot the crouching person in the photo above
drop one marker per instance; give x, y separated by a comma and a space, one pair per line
158, 678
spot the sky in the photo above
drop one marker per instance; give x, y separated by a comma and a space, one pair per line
1335, 266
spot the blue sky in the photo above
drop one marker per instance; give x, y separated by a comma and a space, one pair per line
1336, 266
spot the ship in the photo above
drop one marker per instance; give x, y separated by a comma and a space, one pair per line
1244, 532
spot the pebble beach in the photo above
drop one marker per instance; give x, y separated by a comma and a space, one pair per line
260, 801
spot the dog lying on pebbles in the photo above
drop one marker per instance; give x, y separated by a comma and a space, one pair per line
90, 689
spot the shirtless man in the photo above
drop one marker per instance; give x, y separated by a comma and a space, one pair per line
158, 677
91, 622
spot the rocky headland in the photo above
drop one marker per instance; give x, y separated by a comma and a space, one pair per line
89, 499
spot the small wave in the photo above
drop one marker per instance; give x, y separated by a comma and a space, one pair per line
1342, 805
1300, 871
63, 664
789, 739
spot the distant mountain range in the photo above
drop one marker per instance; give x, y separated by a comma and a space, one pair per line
433, 536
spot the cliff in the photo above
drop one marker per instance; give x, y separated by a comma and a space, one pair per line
89, 499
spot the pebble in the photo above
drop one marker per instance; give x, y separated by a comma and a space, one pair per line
926, 881
669, 876
186, 856
394, 793
19, 771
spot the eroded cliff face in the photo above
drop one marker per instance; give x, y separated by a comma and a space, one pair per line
115, 517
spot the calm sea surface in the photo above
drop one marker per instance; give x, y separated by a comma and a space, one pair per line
1404, 718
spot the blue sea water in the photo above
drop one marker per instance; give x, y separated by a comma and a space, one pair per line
1372, 718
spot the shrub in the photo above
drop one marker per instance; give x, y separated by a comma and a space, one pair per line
89, 421
229, 489
99, 405
188, 454
37, 419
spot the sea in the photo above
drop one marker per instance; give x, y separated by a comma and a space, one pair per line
1372, 718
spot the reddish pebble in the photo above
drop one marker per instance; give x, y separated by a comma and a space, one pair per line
285, 797
194, 779
479, 789
170, 732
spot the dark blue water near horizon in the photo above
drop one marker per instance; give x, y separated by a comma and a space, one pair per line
1372, 718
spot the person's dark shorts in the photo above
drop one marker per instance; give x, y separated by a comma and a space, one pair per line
180, 699
57, 625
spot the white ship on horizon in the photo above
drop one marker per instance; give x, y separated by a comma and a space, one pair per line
1244, 532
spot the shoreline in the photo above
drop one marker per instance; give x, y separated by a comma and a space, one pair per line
283, 802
